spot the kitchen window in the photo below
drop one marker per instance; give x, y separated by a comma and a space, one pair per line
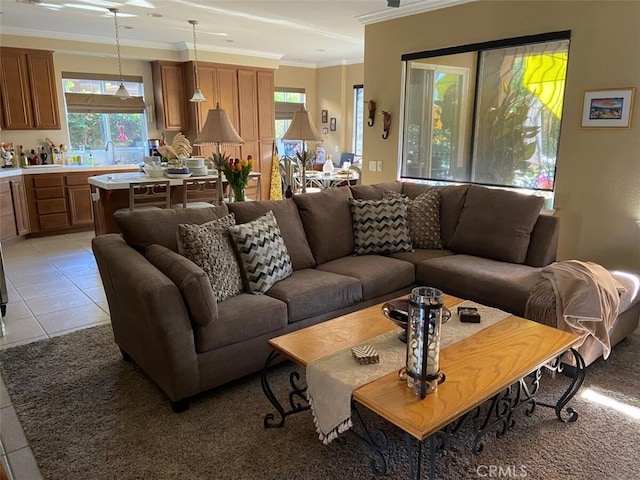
486, 113
103, 128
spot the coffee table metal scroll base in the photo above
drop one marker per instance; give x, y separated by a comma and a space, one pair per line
498, 417
297, 396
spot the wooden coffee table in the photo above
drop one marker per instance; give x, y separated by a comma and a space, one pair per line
501, 363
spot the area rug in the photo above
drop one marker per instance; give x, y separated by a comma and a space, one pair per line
89, 415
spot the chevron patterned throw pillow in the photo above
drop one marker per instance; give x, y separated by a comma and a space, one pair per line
380, 226
263, 254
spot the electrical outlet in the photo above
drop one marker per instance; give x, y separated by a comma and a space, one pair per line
379, 165
372, 166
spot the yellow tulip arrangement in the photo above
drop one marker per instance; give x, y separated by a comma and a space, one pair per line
237, 171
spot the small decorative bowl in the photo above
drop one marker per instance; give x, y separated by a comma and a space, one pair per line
154, 172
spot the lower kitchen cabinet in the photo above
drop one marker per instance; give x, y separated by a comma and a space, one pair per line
14, 219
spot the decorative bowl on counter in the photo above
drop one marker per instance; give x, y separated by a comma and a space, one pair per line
178, 175
154, 172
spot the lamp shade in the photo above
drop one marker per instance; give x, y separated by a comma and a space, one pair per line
218, 129
302, 128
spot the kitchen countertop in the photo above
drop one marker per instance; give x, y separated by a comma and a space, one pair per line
35, 170
120, 181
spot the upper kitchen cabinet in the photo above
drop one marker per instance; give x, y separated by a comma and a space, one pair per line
28, 94
170, 98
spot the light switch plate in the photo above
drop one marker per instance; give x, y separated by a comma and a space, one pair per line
379, 165
372, 166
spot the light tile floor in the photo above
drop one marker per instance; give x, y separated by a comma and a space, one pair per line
54, 288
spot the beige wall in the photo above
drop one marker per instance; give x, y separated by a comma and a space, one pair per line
331, 89
598, 175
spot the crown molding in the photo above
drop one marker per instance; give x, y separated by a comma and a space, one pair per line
414, 8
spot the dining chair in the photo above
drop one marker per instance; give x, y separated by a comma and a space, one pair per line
151, 194
197, 193
354, 175
252, 190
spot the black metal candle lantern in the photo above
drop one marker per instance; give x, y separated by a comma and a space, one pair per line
423, 340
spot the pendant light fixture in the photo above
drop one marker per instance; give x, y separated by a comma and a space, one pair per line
122, 91
197, 95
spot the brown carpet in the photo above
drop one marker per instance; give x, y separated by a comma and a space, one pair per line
89, 415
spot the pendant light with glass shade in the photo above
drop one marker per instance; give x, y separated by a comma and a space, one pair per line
122, 91
197, 95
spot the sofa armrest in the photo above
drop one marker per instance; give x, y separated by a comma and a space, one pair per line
543, 243
148, 316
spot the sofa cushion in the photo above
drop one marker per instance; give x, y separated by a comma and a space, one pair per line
380, 226
311, 292
374, 192
141, 228
326, 217
286, 213
263, 255
379, 275
496, 224
241, 318
191, 280
420, 254
490, 282
209, 247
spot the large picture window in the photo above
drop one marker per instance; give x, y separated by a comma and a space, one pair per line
487, 113
97, 118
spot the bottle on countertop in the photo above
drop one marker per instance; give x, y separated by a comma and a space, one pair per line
23, 157
34, 159
90, 159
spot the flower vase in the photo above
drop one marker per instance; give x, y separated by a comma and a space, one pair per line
238, 193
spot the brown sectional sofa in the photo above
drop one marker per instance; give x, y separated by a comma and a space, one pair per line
187, 342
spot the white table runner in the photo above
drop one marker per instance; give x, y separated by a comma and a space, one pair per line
332, 379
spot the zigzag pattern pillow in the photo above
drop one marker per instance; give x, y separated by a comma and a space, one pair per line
263, 254
380, 226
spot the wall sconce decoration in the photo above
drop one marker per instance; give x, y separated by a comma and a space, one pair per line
332, 124
325, 131
386, 123
325, 116
371, 105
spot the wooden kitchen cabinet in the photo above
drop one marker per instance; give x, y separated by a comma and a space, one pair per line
79, 200
14, 220
28, 93
170, 97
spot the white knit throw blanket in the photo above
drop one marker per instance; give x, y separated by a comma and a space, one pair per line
332, 379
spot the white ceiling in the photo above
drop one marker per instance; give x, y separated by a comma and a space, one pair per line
295, 32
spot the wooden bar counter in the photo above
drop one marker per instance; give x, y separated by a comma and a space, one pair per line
111, 193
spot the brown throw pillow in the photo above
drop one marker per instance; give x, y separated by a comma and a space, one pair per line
496, 224
190, 279
209, 246
423, 213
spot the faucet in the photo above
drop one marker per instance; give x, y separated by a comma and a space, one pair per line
113, 150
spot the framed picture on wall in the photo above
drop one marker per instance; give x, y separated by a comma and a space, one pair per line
608, 108
332, 124
325, 116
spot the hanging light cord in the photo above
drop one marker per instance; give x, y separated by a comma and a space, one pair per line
115, 17
195, 53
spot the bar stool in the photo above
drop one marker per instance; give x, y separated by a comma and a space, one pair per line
151, 194
197, 193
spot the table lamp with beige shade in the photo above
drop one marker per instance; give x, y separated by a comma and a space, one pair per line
218, 130
302, 128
